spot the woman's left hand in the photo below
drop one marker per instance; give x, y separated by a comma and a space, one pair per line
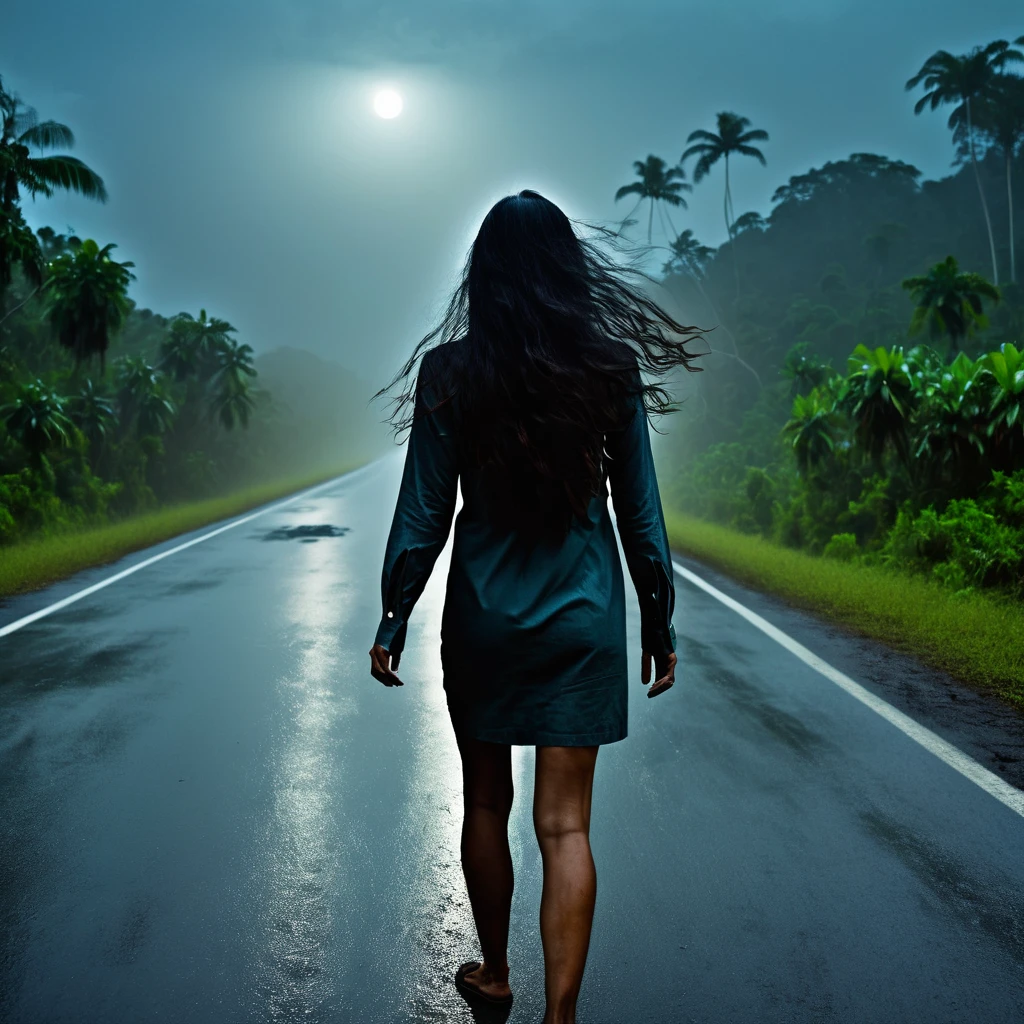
382, 667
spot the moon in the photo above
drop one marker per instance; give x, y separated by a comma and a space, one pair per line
387, 104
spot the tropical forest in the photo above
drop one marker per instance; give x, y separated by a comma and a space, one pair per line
860, 405
109, 411
863, 393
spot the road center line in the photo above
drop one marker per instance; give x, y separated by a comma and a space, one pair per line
935, 744
26, 620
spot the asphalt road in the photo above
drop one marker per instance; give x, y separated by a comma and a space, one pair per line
209, 812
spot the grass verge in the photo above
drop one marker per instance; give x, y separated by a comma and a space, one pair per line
37, 562
975, 638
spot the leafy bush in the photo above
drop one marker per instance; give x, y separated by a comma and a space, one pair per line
901, 462
963, 546
843, 547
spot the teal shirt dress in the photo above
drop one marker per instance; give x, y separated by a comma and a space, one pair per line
533, 635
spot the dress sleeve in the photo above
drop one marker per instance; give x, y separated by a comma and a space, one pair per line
422, 519
641, 524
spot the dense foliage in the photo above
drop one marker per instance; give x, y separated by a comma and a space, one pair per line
179, 414
865, 385
904, 460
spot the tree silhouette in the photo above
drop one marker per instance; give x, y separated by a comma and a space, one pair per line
732, 137
658, 183
233, 402
688, 254
949, 302
999, 119
143, 397
965, 80
21, 131
88, 294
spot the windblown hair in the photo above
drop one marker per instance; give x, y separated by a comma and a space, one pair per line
541, 352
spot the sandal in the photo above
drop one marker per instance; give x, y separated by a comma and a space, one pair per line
470, 990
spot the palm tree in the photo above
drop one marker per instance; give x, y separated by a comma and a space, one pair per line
21, 131
37, 420
93, 413
195, 345
999, 117
812, 427
732, 137
178, 355
688, 254
878, 396
950, 421
658, 183
965, 80
949, 302
234, 402
803, 370
88, 299
142, 397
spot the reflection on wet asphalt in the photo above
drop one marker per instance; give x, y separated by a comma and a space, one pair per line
209, 812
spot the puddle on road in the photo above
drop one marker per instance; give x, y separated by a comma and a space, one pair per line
306, 534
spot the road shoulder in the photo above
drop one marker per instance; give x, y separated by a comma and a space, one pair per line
981, 725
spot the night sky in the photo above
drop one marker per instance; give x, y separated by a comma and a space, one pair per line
248, 173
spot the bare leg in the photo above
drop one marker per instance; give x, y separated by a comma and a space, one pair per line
561, 817
486, 859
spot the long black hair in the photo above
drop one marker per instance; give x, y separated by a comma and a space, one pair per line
541, 351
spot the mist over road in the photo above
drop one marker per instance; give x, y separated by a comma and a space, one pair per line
209, 812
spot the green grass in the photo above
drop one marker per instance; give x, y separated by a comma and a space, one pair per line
976, 638
37, 562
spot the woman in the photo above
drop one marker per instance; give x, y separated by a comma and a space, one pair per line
530, 392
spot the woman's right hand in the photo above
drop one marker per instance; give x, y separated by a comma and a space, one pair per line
382, 666
666, 673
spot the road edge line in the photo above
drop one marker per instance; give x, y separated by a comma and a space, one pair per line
42, 613
945, 751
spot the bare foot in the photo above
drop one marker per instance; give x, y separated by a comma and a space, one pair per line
491, 983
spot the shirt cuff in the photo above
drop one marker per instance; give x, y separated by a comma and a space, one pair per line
391, 634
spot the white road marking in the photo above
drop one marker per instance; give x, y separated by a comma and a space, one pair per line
942, 749
26, 620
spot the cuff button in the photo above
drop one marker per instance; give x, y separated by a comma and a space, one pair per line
391, 615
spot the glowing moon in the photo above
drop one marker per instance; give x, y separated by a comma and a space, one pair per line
387, 104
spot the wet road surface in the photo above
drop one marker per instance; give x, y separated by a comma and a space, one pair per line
209, 812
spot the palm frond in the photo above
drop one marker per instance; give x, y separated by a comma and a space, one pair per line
70, 173
707, 136
48, 135
705, 163
752, 151
937, 61
23, 118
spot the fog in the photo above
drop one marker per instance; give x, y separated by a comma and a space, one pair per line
248, 174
